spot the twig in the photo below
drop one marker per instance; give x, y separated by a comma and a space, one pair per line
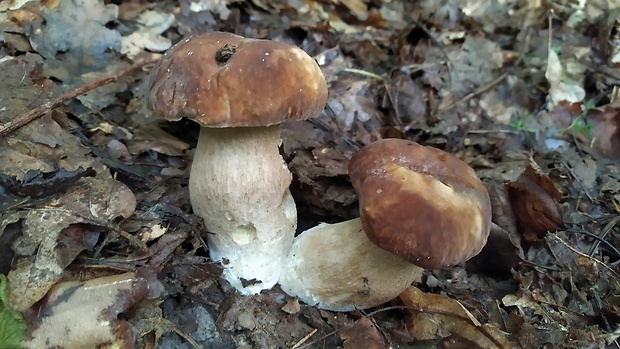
464, 318
316, 340
577, 179
558, 239
303, 340
364, 73
49, 106
608, 227
479, 91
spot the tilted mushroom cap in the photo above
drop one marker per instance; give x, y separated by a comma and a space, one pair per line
225, 80
421, 203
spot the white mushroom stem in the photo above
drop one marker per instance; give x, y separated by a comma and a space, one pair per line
336, 267
239, 186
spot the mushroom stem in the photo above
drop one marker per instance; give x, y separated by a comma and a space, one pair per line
336, 267
239, 186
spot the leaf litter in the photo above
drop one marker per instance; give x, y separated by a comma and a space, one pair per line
92, 188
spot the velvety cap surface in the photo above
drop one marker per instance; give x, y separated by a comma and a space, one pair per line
420, 202
224, 80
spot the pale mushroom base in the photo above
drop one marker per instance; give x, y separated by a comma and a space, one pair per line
336, 267
239, 186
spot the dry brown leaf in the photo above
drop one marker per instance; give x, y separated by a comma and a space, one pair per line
533, 198
562, 88
524, 302
42, 262
363, 334
291, 306
606, 131
102, 200
152, 138
358, 7
84, 314
410, 101
147, 36
353, 104
438, 316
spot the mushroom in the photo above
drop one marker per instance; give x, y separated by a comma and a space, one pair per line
239, 90
420, 208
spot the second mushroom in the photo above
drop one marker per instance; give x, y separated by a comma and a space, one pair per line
239, 90
420, 207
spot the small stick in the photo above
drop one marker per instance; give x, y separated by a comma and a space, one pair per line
479, 91
303, 340
303, 346
49, 106
363, 72
558, 239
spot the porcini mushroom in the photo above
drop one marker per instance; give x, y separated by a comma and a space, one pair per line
420, 207
239, 90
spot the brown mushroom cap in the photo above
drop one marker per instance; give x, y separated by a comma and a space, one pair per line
421, 203
225, 80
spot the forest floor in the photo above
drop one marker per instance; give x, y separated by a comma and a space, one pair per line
94, 190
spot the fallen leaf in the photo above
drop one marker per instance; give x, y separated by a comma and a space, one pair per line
77, 28
37, 184
437, 316
358, 7
148, 35
533, 200
353, 104
152, 138
98, 199
84, 314
606, 132
410, 101
199, 6
291, 306
40, 262
363, 334
474, 63
560, 87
